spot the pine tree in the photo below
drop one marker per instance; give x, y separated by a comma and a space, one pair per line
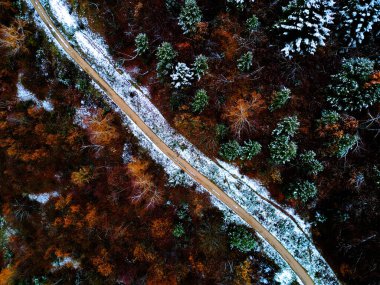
189, 17
288, 126
344, 144
253, 23
181, 76
241, 239
358, 19
200, 101
305, 25
249, 150
238, 3
329, 117
303, 190
351, 89
280, 98
244, 63
165, 57
309, 164
200, 66
230, 150
141, 43
282, 150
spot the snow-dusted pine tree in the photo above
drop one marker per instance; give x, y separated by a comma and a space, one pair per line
182, 76
358, 18
305, 25
189, 17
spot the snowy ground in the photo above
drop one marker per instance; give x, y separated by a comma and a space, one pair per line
25, 95
248, 193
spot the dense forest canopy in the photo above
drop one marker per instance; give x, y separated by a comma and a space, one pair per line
288, 91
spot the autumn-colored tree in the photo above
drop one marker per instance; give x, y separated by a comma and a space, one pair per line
161, 228
145, 189
101, 129
101, 261
6, 276
82, 176
243, 273
240, 117
13, 37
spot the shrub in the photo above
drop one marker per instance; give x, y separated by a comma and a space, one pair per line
200, 66
141, 43
358, 18
252, 24
241, 239
302, 190
182, 76
189, 17
282, 150
280, 98
344, 144
288, 126
309, 164
230, 150
244, 63
305, 25
200, 101
165, 57
349, 91
250, 149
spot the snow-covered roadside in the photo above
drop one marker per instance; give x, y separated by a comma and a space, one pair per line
241, 189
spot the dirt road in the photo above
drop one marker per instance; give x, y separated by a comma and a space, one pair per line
198, 177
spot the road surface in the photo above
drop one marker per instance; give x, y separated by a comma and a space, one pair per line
183, 164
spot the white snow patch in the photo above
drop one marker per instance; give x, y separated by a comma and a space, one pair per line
64, 262
25, 95
43, 198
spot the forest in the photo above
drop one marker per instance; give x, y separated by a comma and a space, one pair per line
287, 91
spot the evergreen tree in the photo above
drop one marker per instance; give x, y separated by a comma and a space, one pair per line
189, 17
244, 63
351, 89
181, 76
280, 98
178, 230
329, 117
358, 19
200, 66
241, 239
253, 23
309, 164
141, 43
282, 150
288, 126
250, 149
303, 190
200, 101
221, 131
344, 144
305, 25
230, 150
165, 58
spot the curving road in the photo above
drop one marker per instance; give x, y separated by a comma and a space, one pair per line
183, 164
